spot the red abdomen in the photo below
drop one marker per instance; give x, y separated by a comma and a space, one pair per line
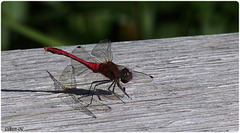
91, 65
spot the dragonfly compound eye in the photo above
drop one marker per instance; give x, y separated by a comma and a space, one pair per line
126, 75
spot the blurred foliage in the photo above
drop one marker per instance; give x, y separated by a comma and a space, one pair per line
38, 24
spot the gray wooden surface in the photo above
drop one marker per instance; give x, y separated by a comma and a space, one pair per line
195, 88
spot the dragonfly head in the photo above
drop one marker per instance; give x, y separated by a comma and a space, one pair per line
126, 75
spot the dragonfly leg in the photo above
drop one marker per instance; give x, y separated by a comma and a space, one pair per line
100, 82
111, 85
96, 82
114, 92
98, 96
94, 88
123, 89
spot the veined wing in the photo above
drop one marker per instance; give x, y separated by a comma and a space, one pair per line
69, 98
141, 77
75, 103
78, 99
67, 78
137, 77
57, 85
102, 51
81, 53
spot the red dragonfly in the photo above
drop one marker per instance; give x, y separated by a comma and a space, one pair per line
75, 98
102, 63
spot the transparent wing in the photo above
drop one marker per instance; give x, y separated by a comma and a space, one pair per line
57, 85
141, 77
90, 77
75, 103
68, 98
81, 53
96, 105
137, 77
78, 100
138, 83
102, 51
67, 78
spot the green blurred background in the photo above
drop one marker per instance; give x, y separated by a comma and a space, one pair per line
38, 24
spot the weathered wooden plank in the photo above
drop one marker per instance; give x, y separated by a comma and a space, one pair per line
195, 88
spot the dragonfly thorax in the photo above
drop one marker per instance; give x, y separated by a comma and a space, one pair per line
109, 70
112, 71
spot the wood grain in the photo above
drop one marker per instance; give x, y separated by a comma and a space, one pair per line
195, 88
